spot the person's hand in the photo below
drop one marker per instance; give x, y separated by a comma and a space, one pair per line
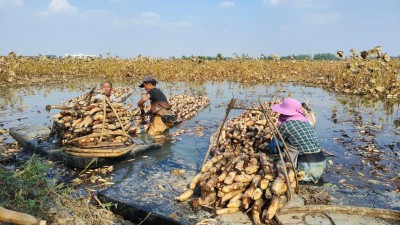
273, 149
306, 107
273, 146
142, 113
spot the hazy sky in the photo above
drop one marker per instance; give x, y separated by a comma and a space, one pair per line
164, 28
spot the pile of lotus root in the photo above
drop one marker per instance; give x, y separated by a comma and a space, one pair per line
183, 106
80, 118
242, 175
93, 123
120, 93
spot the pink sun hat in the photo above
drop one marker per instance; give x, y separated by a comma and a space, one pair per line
289, 107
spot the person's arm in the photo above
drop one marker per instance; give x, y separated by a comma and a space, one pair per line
284, 131
114, 99
143, 100
141, 105
312, 118
273, 145
98, 97
310, 114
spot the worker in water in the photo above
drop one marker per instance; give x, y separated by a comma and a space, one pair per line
298, 132
106, 89
160, 110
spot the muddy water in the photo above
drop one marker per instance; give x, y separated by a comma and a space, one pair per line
362, 134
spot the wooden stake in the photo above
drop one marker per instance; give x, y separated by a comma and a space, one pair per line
50, 107
104, 118
352, 210
89, 95
98, 150
274, 130
103, 145
99, 134
116, 114
219, 130
105, 154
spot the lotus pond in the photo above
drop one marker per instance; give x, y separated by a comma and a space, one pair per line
363, 134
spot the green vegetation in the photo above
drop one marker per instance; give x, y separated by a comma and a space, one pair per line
26, 189
29, 188
296, 57
325, 56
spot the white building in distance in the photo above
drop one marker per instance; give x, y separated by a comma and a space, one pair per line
79, 56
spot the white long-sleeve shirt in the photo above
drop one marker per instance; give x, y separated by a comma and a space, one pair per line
100, 97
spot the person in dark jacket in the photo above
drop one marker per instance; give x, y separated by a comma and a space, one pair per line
160, 109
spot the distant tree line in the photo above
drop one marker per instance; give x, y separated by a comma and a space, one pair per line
297, 57
318, 56
217, 57
325, 56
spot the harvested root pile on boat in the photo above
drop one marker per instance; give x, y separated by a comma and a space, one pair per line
187, 106
183, 106
96, 129
247, 132
92, 119
120, 93
240, 176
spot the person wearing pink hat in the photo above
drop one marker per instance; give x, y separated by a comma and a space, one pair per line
298, 133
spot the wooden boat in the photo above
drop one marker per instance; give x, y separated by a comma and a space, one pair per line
34, 139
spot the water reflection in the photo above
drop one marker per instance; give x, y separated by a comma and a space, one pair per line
13, 97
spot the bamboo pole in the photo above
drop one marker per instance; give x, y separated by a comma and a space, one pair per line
50, 107
103, 145
351, 210
274, 130
88, 165
99, 134
116, 114
87, 98
89, 95
228, 110
269, 122
98, 150
104, 155
104, 118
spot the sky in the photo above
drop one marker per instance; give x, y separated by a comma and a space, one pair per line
160, 28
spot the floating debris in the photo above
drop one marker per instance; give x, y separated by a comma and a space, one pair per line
177, 172
99, 177
9, 150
